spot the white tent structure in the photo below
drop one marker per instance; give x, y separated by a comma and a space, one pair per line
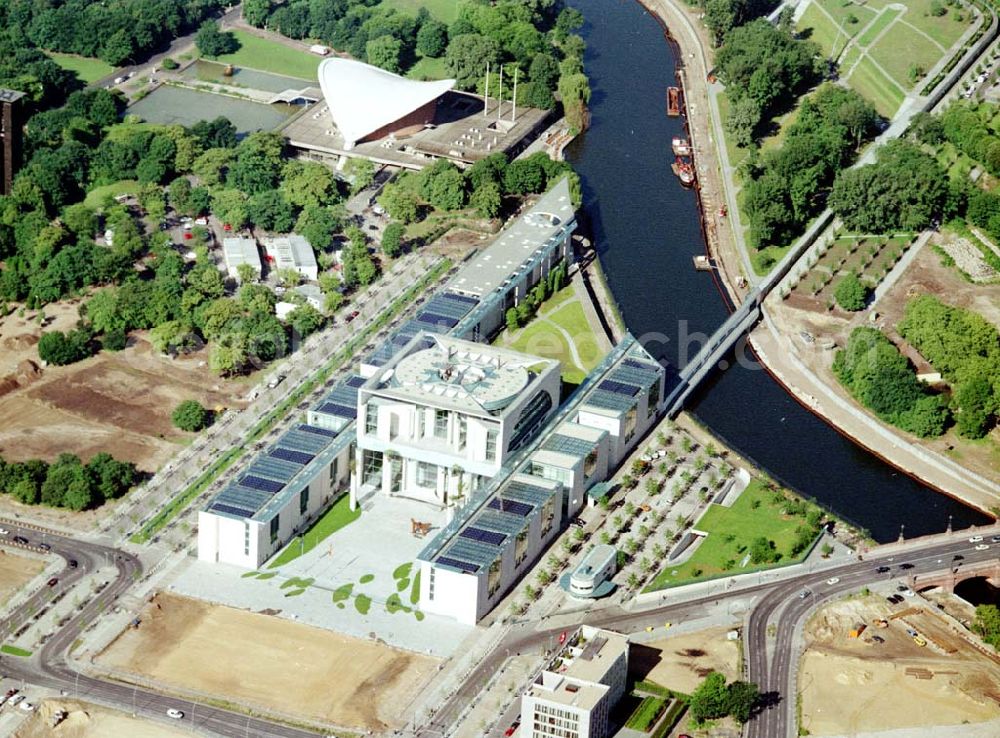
364, 100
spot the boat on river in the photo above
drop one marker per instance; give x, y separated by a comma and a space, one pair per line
684, 171
673, 101
681, 146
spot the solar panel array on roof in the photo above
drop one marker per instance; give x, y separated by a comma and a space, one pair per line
230, 510
456, 564
637, 364
485, 536
287, 454
511, 506
317, 431
434, 319
490, 519
568, 445
631, 375
609, 400
355, 380
619, 388
259, 483
474, 552
272, 468
341, 411
298, 440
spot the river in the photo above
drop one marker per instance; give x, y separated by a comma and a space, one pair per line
646, 228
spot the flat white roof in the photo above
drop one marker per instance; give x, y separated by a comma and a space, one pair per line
363, 98
240, 250
290, 252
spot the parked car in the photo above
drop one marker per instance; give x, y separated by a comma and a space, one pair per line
21, 539
27, 706
16, 699
4, 532
73, 564
53, 582
995, 539
976, 539
982, 547
512, 729
45, 546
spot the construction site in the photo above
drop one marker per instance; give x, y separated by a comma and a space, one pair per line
870, 665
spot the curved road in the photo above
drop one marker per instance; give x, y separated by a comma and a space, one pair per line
790, 603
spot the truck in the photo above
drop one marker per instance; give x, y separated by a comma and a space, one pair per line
919, 640
857, 630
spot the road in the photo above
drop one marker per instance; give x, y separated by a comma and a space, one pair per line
924, 554
48, 666
783, 607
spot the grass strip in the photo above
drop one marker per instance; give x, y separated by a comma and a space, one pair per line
15, 651
179, 503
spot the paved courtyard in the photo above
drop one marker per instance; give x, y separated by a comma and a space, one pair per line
361, 581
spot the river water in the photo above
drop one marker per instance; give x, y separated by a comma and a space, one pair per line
647, 229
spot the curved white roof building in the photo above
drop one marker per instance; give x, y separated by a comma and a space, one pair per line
366, 102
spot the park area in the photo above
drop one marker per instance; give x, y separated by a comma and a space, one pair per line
269, 55
86, 68
760, 512
560, 330
15, 572
271, 663
869, 257
885, 49
859, 685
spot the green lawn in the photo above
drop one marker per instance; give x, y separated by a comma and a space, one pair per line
96, 196
752, 515
540, 338
271, 56
339, 515
945, 29
15, 651
427, 68
883, 21
736, 154
444, 10
878, 89
903, 47
86, 68
832, 34
645, 714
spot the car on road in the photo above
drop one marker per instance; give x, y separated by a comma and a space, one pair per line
982, 547
906, 566
881, 569
45, 546
21, 539
512, 729
73, 564
994, 539
976, 539
53, 582
833, 580
174, 713
803, 594
4, 532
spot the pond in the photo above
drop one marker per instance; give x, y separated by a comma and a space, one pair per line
169, 105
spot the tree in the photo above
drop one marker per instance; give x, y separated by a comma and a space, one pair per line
850, 293
60, 348
392, 240
272, 212
108, 477
446, 190
255, 12
741, 699
987, 624
384, 52
487, 200
763, 551
975, 406
80, 219
258, 163
213, 42
432, 38
744, 115
361, 172
306, 320
216, 133
574, 93
710, 700
399, 203
318, 225
467, 56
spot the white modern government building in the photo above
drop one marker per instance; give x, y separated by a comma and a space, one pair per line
435, 414
573, 697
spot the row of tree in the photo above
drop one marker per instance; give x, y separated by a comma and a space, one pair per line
67, 482
882, 380
526, 309
786, 186
965, 348
714, 699
482, 186
116, 31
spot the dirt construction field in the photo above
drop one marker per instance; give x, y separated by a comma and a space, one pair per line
116, 402
681, 662
271, 662
91, 721
855, 685
15, 572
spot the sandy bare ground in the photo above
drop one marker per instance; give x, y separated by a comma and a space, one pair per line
681, 662
91, 721
115, 402
854, 685
270, 662
15, 572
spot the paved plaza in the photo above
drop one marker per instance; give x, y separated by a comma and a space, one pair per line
360, 581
